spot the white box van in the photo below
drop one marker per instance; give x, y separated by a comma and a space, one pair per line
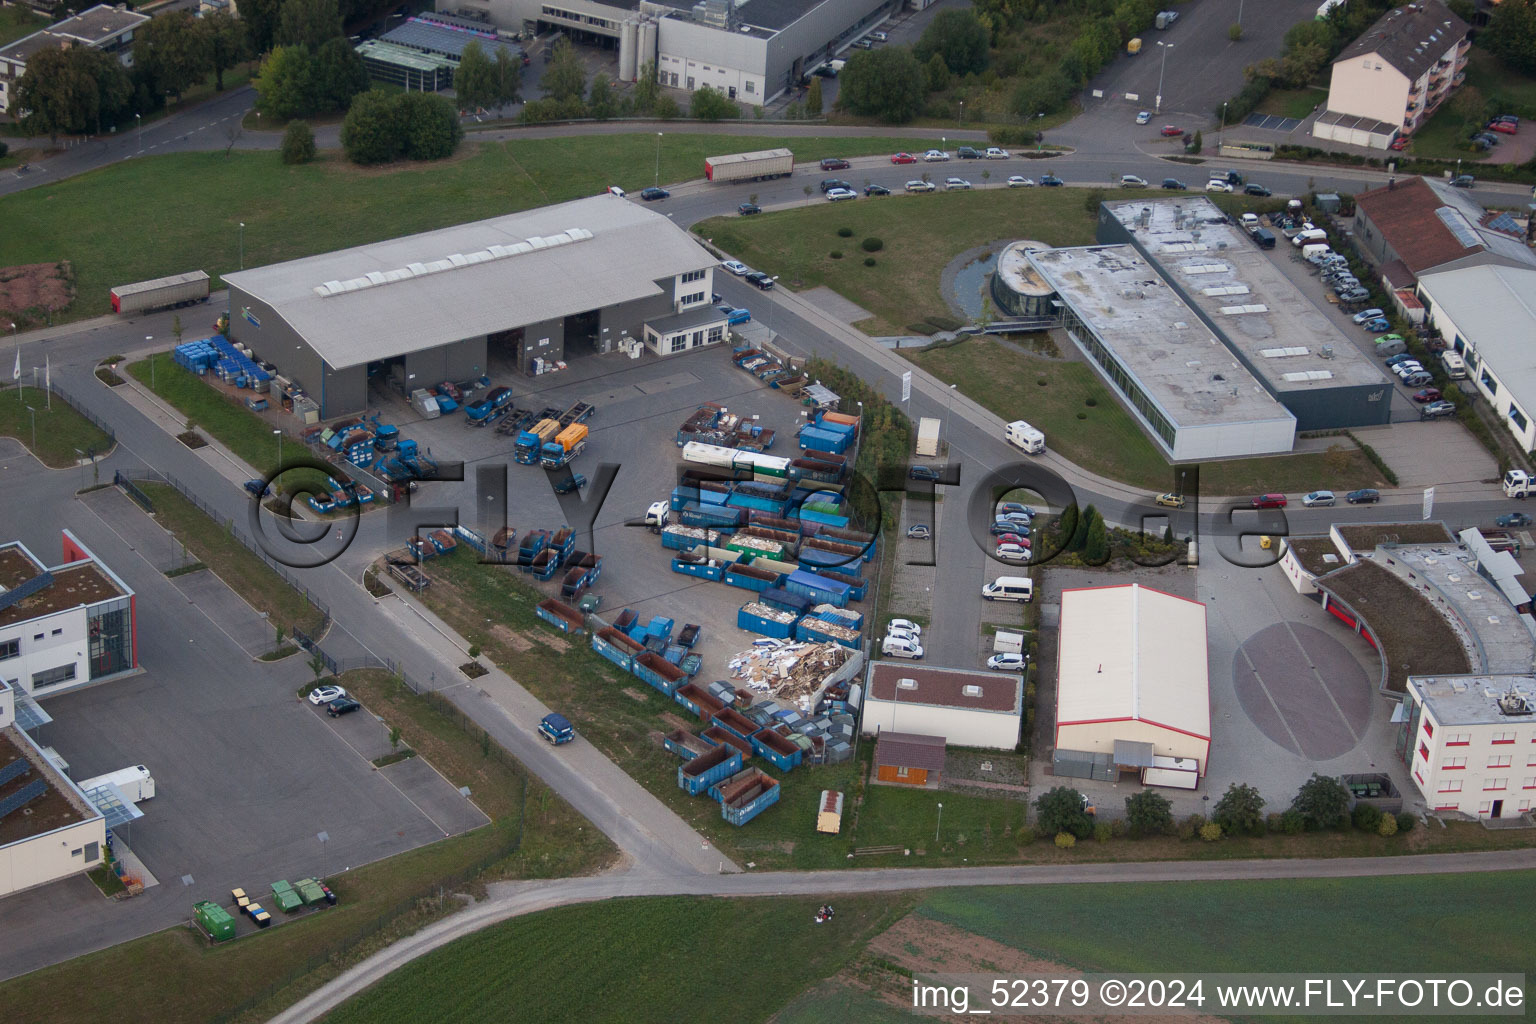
1022, 435
1309, 237
1455, 366
1315, 250
1009, 588
901, 647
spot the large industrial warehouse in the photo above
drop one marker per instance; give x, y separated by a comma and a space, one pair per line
517, 293
1133, 686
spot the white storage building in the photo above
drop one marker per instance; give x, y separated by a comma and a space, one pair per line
1132, 677
968, 708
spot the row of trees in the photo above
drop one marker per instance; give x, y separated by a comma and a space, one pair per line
295, 81
81, 90
1322, 802
568, 95
382, 126
482, 83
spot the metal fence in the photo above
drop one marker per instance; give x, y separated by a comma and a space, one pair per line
126, 481
338, 953
79, 407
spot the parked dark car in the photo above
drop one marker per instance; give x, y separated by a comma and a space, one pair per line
1256, 190
1174, 185
968, 153
1364, 496
834, 163
1268, 501
1511, 519
1426, 395
1463, 181
747, 209
923, 473
341, 706
1051, 181
876, 190
828, 184
652, 194
760, 279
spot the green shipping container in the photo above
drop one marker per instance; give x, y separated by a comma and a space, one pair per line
309, 891
214, 920
286, 899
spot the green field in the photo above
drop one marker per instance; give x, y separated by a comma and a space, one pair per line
1292, 102
188, 206
60, 432
209, 543
17, 20
1351, 924
921, 235
631, 962
1107, 441
210, 981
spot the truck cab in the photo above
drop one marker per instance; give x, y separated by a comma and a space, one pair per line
1517, 484
557, 729
656, 515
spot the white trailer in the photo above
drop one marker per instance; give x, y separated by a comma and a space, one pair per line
135, 782
1007, 643
1173, 772
759, 166
927, 436
161, 293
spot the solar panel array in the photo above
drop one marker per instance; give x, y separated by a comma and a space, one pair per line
23, 796
15, 770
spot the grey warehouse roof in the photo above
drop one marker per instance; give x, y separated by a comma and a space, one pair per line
406, 294
1280, 331
1494, 308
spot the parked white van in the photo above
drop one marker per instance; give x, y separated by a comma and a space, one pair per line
1009, 588
1022, 435
901, 647
1315, 250
1455, 366
1309, 237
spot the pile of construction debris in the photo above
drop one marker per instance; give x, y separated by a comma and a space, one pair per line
790, 671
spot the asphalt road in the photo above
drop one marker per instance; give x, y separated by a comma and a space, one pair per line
509, 900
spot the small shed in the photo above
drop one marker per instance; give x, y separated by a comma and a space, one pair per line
909, 758
829, 818
1328, 202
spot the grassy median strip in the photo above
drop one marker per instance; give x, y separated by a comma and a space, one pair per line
1088, 425
210, 543
60, 431
213, 981
241, 431
629, 960
187, 207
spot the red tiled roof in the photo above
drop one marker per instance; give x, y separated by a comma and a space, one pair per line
1406, 217
910, 750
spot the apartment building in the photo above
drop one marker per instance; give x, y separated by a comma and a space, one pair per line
104, 27
1395, 76
1470, 743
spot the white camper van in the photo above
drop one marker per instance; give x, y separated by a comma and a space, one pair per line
1022, 435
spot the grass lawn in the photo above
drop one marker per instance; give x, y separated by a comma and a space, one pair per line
1109, 442
556, 842
631, 961
1354, 924
241, 431
60, 431
232, 562
17, 20
188, 206
1445, 135
903, 288
1292, 102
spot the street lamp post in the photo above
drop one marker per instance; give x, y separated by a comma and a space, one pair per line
771, 306
148, 338
279, 434
1165, 47
937, 824
657, 182
962, 113
34, 428
1223, 127
242, 245
139, 120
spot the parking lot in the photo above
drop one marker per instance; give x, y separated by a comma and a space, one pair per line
246, 774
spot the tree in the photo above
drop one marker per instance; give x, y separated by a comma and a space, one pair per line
285, 84
509, 77
1303, 63
1322, 802
428, 125
176, 51
813, 98
888, 84
564, 77
647, 88
228, 43
1198, 143
1061, 810
260, 18
70, 91
339, 75
1235, 32
316, 661
959, 38
1096, 541
394, 737
298, 143
600, 101
475, 79
369, 134
308, 23
937, 73
710, 104
1240, 809
1148, 813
